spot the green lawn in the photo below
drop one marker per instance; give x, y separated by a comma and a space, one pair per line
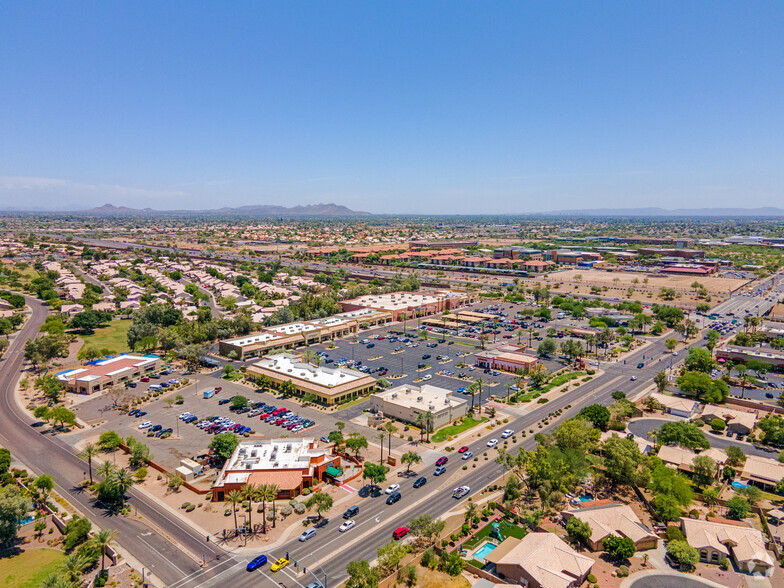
467, 423
28, 569
111, 336
507, 530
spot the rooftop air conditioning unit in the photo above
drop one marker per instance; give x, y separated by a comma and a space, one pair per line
419, 398
394, 394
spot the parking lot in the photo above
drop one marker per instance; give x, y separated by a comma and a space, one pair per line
188, 440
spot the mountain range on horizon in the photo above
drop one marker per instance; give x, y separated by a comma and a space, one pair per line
338, 210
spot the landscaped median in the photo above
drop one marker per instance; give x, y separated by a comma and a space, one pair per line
452, 430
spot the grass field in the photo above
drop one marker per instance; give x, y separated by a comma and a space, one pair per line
467, 423
507, 530
111, 337
28, 569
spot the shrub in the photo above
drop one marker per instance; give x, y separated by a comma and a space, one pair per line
185, 505
724, 564
623, 571
101, 579
190, 508
299, 508
591, 579
674, 534
227, 512
286, 510
306, 491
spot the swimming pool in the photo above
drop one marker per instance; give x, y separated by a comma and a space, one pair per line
585, 498
739, 485
483, 551
24, 521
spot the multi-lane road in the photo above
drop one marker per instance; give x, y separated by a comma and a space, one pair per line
165, 545
153, 537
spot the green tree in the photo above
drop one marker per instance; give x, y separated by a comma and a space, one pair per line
738, 508
623, 461
361, 575
546, 347
322, 501
101, 541
234, 497
700, 360
356, 442
619, 548
596, 413
140, 455
718, 425
683, 553
13, 508
753, 494
671, 343
223, 445
577, 434
62, 415
410, 458
51, 386
681, 433
376, 473
579, 531
239, 402
735, 455
704, 471
73, 567
109, 441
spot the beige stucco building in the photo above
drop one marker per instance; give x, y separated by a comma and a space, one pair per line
405, 403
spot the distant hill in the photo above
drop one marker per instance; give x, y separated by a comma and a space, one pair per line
766, 211
253, 210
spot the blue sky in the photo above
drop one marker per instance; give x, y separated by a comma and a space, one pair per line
392, 107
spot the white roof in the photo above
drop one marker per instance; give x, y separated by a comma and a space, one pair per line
289, 365
255, 338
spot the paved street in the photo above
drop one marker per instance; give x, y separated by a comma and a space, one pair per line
641, 427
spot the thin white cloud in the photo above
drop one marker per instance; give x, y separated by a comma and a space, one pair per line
50, 187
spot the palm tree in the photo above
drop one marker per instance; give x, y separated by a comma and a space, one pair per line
420, 422
308, 355
234, 497
106, 469
88, 453
470, 511
391, 429
520, 333
73, 566
120, 481
268, 492
404, 317
429, 423
748, 321
381, 444
101, 540
249, 492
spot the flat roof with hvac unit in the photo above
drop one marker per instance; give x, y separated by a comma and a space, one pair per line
406, 402
329, 385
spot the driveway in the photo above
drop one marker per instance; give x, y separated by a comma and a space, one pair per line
643, 426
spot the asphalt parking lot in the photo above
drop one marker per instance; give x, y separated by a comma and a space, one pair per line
761, 393
188, 440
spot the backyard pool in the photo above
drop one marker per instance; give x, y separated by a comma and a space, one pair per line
483, 551
739, 485
585, 498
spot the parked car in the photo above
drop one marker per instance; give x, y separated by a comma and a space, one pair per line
145, 424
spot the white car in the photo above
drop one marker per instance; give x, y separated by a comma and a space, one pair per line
145, 424
634, 378
460, 491
347, 525
468, 455
507, 433
393, 488
492, 443
675, 353
428, 377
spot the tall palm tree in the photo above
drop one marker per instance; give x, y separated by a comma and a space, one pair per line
470, 511
270, 493
308, 355
105, 469
429, 423
381, 444
120, 481
472, 389
73, 566
234, 497
391, 429
88, 453
249, 493
420, 422
101, 540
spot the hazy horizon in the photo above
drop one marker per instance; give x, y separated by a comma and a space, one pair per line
404, 108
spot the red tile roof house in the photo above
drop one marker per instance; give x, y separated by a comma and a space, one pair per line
291, 464
107, 373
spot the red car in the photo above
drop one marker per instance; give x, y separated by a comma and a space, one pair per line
463, 449
442, 460
381, 337
382, 373
279, 421
264, 415
218, 388
400, 532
